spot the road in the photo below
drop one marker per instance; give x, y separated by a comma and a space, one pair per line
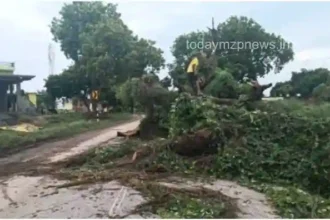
25, 190
23, 196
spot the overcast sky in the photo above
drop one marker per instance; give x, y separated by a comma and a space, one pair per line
25, 34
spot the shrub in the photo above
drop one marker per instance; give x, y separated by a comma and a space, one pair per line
268, 146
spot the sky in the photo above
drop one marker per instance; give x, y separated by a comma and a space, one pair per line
25, 34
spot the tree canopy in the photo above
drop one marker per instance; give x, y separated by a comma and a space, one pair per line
303, 83
105, 54
104, 51
243, 47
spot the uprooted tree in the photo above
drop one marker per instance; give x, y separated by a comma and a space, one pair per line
262, 51
221, 85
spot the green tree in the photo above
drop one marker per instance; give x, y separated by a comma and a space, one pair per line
243, 46
282, 89
303, 82
128, 92
74, 19
110, 51
105, 52
45, 100
69, 84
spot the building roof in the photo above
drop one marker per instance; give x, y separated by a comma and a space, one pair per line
7, 67
15, 78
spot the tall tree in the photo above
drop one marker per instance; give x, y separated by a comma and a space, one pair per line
74, 19
105, 52
243, 47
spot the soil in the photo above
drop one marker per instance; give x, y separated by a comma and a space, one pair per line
27, 190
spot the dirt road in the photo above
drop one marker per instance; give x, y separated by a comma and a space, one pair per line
27, 193
30, 197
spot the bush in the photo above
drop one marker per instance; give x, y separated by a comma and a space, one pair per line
286, 148
321, 92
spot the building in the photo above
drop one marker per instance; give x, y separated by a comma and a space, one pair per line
8, 83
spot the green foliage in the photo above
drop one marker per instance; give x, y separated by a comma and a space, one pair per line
223, 85
181, 206
67, 84
270, 53
189, 114
303, 83
256, 145
282, 89
74, 19
292, 202
295, 203
245, 30
128, 93
321, 92
105, 156
105, 52
266, 152
244, 89
45, 100
255, 149
51, 120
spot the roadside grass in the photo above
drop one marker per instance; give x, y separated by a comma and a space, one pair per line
55, 127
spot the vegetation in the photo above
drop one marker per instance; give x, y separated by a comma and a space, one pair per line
306, 83
53, 127
251, 147
280, 148
104, 51
237, 61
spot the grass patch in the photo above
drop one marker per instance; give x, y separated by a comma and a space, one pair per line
182, 206
50, 120
292, 202
59, 126
186, 203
